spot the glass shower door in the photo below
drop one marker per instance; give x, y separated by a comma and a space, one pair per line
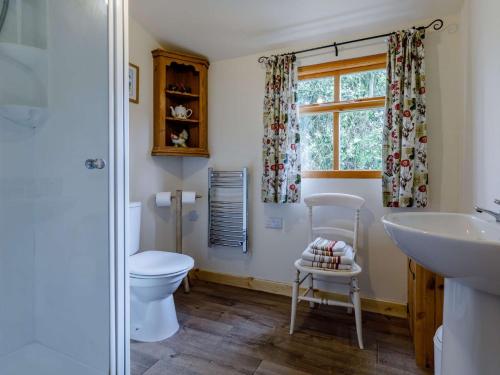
55, 310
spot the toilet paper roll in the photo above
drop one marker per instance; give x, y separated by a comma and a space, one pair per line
163, 199
188, 197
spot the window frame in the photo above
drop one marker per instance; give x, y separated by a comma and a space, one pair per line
336, 69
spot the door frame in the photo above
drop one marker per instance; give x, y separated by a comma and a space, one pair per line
118, 187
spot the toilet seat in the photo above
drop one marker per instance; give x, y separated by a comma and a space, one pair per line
154, 263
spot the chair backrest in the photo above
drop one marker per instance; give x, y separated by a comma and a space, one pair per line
338, 200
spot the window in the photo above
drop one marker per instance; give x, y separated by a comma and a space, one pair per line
341, 107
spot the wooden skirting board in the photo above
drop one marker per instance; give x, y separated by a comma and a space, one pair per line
367, 304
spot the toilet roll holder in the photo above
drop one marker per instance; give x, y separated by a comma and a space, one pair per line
178, 229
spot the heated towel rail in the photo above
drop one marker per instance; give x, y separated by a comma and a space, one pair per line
228, 208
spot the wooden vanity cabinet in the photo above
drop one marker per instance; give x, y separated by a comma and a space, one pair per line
425, 310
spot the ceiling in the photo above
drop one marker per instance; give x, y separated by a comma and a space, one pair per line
220, 29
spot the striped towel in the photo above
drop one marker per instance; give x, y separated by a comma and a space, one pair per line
327, 245
326, 266
328, 253
347, 257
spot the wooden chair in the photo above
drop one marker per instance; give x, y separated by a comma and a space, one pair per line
348, 277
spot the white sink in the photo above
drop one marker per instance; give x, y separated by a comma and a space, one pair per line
465, 249
459, 246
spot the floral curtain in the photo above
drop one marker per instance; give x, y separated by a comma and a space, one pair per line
281, 141
405, 177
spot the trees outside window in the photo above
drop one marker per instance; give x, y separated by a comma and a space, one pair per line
341, 106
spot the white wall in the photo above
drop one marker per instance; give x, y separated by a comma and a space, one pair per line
481, 177
149, 174
235, 132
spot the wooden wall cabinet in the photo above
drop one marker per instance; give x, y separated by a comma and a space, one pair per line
425, 311
179, 79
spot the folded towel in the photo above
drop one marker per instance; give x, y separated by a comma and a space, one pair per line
326, 266
347, 257
327, 253
326, 245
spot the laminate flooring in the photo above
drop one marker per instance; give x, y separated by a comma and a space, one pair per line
229, 330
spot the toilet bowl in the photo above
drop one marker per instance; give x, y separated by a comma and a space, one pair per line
154, 277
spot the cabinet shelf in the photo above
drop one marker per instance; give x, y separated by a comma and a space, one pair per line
180, 151
186, 121
178, 94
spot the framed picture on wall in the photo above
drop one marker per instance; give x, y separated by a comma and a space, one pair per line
133, 83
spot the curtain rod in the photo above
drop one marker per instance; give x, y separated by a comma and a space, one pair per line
437, 24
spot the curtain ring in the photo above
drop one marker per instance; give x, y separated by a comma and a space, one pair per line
336, 49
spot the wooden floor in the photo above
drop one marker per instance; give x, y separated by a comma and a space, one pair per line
228, 330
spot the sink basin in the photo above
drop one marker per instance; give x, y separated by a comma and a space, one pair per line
465, 249
462, 247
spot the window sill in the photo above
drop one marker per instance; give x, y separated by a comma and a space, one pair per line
376, 102
342, 174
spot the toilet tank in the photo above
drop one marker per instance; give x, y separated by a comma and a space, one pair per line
134, 232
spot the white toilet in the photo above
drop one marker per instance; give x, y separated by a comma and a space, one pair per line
154, 277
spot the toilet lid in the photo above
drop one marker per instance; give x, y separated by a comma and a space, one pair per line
156, 263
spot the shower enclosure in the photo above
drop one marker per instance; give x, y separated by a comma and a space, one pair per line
62, 187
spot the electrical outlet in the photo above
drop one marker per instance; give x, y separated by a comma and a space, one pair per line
274, 222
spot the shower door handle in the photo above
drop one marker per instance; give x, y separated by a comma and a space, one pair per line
95, 163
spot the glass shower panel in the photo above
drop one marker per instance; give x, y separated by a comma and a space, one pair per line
54, 215
24, 22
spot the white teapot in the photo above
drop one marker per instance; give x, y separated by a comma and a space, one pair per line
181, 112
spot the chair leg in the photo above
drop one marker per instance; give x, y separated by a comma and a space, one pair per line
312, 305
357, 311
295, 292
349, 309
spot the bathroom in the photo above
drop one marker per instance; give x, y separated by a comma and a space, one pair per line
112, 259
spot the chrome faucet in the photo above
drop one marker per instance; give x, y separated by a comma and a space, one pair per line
496, 215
